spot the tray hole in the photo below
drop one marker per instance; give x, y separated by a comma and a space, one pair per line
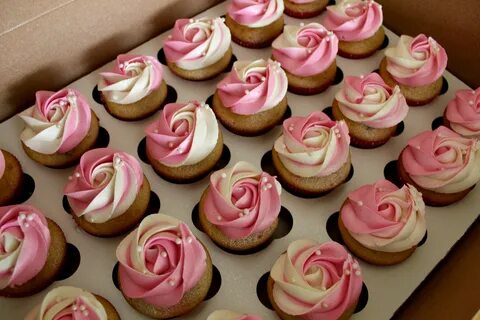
390, 173
385, 43
26, 190
216, 283
66, 205
285, 223
196, 217
328, 111
71, 262
332, 228
424, 239
230, 64
376, 71
267, 164
262, 291
444, 86
115, 275
286, 115
96, 96
103, 138
437, 122
153, 205
350, 174
224, 159
171, 96
399, 130
142, 150
362, 299
161, 57
338, 76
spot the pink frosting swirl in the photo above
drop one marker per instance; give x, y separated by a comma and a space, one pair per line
242, 200
305, 50
416, 61
185, 134
369, 100
253, 86
354, 20
316, 281
160, 261
104, 184
2, 164
255, 13
385, 218
313, 145
442, 160
24, 244
58, 121
463, 113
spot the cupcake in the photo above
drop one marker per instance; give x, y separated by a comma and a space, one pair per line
303, 9
307, 54
59, 128
416, 65
239, 209
312, 156
371, 109
255, 23
198, 49
230, 315
32, 251
108, 192
252, 99
358, 25
134, 89
314, 281
11, 178
462, 114
185, 143
441, 164
381, 223
73, 303
164, 270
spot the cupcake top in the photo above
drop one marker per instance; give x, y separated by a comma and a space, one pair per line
255, 13
242, 200
57, 123
24, 244
2, 164
305, 50
104, 184
354, 20
463, 113
385, 218
133, 78
69, 303
416, 61
230, 315
197, 43
313, 146
160, 261
442, 160
316, 281
253, 86
184, 134
369, 100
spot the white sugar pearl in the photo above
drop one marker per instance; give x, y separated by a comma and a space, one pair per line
190, 20
22, 216
26, 225
178, 241
70, 177
77, 174
224, 175
269, 185
139, 249
347, 272
470, 102
30, 217
247, 91
170, 145
82, 308
169, 36
360, 203
246, 212
219, 218
163, 254
189, 239
155, 131
318, 252
325, 305
357, 273
85, 313
171, 283
302, 24
263, 78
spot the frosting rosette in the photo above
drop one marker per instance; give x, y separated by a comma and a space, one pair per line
58, 121
354, 20
242, 200
24, 243
305, 50
463, 113
313, 146
230, 315
104, 185
255, 13
160, 261
69, 303
442, 160
369, 100
253, 86
197, 43
385, 218
416, 61
316, 281
2, 164
184, 134
132, 79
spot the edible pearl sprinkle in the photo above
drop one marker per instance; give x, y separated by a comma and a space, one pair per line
269, 185
219, 218
22, 216
30, 217
82, 308
170, 145
318, 252
85, 313
77, 174
470, 102
224, 175
263, 78
357, 273
70, 177
178, 241
246, 211
171, 282
163, 254
302, 24
74, 308
189, 239
347, 272
139, 249
325, 305
26, 225
247, 91
360, 203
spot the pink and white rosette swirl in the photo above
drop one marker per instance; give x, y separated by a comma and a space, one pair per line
354, 20
316, 281
242, 201
369, 100
197, 43
160, 261
463, 113
253, 86
442, 160
383, 217
24, 243
104, 185
255, 13
58, 121
132, 79
305, 50
230, 315
313, 146
184, 134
